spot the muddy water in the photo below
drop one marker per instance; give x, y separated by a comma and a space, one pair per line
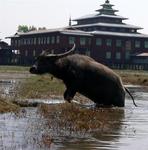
25, 130
7, 87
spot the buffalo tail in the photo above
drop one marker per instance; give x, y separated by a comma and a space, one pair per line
127, 90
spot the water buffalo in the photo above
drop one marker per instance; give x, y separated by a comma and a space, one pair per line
83, 74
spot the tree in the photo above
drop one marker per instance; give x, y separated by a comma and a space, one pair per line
22, 28
25, 28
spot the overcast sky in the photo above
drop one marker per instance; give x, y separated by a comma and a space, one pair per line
56, 13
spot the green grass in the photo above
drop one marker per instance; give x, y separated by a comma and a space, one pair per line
40, 87
13, 69
133, 77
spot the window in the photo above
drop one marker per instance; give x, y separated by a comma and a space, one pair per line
118, 55
25, 41
15, 42
127, 55
39, 40
48, 40
137, 44
146, 44
109, 42
19, 42
31, 41
58, 40
128, 45
28, 41
122, 30
45, 40
82, 41
71, 40
52, 40
98, 41
118, 43
34, 42
42, 40
133, 30
103, 29
108, 55
112, 29
87, 52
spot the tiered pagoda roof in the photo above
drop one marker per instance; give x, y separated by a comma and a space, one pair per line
105, 19
106, 11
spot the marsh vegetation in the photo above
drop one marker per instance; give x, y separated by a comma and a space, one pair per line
134, 77
7, 106
40, 87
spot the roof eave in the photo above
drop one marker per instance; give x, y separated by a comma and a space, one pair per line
108, 10
102, 15
119, 34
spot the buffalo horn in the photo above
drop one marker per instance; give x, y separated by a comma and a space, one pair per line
63, 54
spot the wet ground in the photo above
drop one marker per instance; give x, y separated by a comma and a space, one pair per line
25, 130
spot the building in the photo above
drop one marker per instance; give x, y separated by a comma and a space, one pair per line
6, 54
103, 35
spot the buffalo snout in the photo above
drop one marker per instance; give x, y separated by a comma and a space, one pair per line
33, 70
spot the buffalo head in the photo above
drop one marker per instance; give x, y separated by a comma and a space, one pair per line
46, 63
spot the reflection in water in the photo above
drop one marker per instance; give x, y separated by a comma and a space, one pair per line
21, 131
125, 128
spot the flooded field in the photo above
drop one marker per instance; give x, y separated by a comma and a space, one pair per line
26, 129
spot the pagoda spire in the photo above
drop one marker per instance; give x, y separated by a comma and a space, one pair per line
107, 9
107, 1
70, 21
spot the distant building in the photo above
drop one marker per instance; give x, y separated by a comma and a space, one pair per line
6, 54
102, 35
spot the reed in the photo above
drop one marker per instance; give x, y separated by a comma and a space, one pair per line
72, 120
7, 106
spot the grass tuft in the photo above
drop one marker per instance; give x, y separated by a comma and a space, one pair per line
6, 106
70, 119
40, 87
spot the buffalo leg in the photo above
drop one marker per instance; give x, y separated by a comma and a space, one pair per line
69, 94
